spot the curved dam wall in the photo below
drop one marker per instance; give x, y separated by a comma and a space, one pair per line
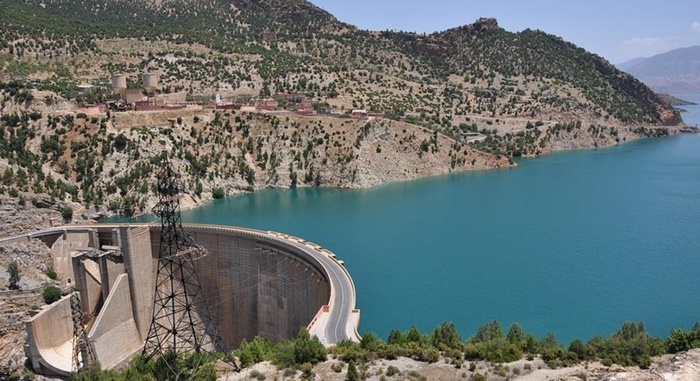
255, 283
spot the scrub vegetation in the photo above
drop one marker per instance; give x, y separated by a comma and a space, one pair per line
631, 345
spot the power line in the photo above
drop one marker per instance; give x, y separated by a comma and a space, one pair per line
181, 321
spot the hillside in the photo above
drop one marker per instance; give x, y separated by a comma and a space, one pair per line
524, 93
676, 71
252, 47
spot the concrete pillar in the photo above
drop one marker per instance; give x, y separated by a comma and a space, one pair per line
140, 265
79, 280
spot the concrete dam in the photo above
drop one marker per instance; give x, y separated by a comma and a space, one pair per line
255, 283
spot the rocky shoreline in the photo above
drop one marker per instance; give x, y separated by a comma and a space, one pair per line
373, 173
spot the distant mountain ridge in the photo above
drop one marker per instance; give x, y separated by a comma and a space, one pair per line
676, 71
630, 63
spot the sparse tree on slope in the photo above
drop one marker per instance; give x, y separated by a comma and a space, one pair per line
15, 275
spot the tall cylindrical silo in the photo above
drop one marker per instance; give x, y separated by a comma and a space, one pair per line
119, 83
150, 82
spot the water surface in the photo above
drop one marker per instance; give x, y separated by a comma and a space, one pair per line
573, 243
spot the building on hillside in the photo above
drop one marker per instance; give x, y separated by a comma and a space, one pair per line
131, 96
305, 112
267, 104
324, 110
148, 105
360, 114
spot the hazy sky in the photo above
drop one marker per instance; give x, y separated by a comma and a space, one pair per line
618, 30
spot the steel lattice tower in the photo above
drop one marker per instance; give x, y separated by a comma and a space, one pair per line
181, 321
83, 355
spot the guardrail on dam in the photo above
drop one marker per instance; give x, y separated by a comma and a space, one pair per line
255, 283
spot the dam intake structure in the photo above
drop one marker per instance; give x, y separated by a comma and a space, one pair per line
256, 283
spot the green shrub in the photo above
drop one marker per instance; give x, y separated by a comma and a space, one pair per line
308, 349
681, 341
51, 294
353, 374
67, 213
348, 350
283, 354
206, 373
337, 367
255, 351
429, 355
446, 337
218, 193
51, 273
15, 275
630, 345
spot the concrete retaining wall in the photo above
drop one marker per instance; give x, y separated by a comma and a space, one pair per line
141, 266
114, 333
50, 338
62, 249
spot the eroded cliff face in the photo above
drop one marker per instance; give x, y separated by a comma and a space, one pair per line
109, 162
669, 115
248, 150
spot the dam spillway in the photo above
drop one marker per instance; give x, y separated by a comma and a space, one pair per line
255, 283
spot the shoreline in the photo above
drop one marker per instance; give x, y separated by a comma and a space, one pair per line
191, 204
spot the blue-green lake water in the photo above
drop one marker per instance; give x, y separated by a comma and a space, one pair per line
574, 243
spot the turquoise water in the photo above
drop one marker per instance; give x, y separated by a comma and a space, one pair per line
573, 243
692, 117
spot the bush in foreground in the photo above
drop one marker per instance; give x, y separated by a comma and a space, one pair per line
631, 345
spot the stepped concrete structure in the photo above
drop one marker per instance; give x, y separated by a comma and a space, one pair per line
255, 283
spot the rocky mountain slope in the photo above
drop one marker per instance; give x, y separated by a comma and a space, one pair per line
108, 163
275, 47
524, 93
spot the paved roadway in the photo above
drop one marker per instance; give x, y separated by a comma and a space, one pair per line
340, 320
342, 301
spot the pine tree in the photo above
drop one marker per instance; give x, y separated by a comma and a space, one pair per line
353, 374
15, 275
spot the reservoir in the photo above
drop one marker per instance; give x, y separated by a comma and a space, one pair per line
574, 243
